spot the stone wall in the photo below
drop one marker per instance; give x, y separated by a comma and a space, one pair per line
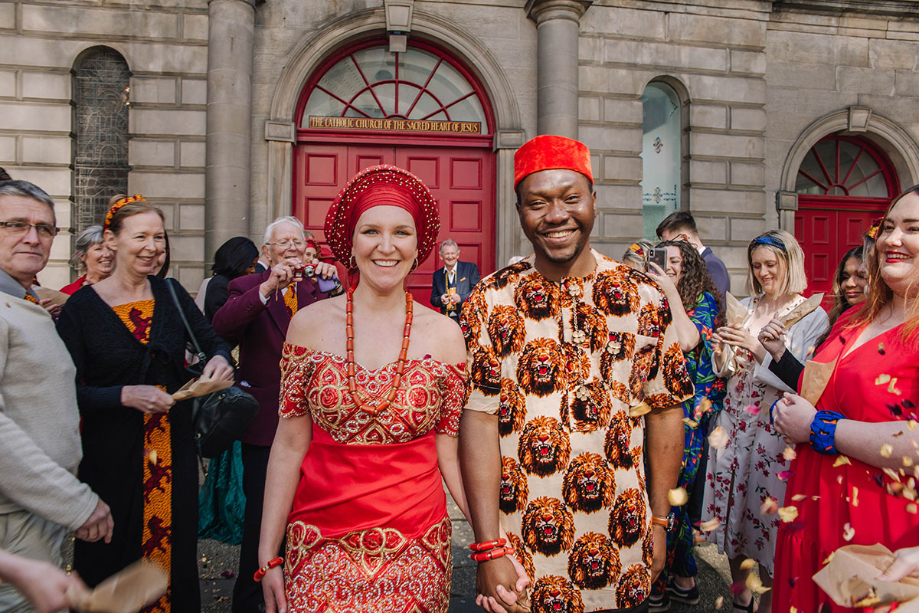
165, 46
713, 55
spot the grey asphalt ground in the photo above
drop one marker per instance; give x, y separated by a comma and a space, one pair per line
217, 566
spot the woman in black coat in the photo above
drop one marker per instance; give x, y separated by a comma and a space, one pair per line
127, 340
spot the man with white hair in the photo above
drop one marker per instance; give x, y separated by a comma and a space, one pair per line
454, 282
257, 315
41, 499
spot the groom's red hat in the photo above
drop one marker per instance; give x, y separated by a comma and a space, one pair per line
548, 152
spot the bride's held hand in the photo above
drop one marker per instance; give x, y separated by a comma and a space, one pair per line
501, 586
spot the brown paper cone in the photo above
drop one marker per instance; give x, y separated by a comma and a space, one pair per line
736, 313
127, 591
58, 298
200, 387
816, 376
849, 579
801, 311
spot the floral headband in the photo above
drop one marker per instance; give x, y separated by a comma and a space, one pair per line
115, 208
637, 249
872, 232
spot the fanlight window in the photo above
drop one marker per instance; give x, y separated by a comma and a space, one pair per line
374, 83
840, 166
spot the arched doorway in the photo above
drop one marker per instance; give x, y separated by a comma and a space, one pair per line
422, 110
843, 184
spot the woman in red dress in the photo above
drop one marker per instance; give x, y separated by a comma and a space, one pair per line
840, 485
354, 477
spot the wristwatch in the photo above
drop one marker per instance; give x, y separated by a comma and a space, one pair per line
669, 522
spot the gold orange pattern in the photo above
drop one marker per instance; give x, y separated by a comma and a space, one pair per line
377, 570
157, 537
290, 300
316, 382
561, 364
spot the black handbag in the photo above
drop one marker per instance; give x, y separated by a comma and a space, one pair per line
219, 417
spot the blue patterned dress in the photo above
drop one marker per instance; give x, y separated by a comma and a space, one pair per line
680, 558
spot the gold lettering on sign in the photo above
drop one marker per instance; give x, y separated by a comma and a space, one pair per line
395, 125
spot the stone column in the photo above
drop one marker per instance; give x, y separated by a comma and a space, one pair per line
231, 32
557, 25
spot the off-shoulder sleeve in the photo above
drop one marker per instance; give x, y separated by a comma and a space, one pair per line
296, 373
453, 394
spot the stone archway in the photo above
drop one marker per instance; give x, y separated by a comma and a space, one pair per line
509, 135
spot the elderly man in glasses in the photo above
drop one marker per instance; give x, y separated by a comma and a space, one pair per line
41, 501
257, 315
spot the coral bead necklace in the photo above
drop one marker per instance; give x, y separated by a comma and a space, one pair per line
375, 404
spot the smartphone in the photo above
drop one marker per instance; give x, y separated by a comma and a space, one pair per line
658, 256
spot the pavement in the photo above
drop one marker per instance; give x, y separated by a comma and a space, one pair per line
217, 563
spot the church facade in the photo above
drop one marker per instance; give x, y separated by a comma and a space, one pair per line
751, 114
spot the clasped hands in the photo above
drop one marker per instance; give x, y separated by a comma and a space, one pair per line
449, 298
501, 585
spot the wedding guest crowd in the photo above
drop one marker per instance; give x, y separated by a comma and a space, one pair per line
593, 420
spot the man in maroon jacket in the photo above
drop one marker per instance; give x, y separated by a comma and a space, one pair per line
257, 315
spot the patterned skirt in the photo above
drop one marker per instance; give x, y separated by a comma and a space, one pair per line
376, 570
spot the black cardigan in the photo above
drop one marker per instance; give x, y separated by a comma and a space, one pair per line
108, 357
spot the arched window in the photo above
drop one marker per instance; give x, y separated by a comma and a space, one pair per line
661, 155
101, 86
420, 84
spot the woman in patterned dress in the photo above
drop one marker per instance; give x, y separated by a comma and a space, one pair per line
745, 480
127, 341
694, 301
367, 431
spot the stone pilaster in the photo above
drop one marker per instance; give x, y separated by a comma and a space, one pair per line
231, 30
557, 25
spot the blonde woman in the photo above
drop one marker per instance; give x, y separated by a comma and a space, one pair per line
746, 472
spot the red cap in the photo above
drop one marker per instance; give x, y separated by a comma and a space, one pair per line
548, 152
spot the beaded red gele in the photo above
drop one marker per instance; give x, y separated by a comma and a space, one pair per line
374, 404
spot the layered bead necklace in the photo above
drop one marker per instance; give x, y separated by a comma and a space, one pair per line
375, 404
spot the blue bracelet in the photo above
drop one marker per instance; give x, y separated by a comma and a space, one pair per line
772, 412
823, 431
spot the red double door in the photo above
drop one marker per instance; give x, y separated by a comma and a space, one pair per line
828, 227
461, 179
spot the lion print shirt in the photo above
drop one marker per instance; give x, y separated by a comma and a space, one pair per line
561, 364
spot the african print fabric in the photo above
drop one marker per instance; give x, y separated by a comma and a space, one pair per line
707, 400
369, 530
157, 535
562, 364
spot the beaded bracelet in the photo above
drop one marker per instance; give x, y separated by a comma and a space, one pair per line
823, 431
260, 573
486, 545
494, 554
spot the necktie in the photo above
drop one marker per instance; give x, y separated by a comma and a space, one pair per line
30, 298
290, 300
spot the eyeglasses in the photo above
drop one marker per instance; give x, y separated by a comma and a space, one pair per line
21, 228
284, 244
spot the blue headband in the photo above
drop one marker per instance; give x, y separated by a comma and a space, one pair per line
767, 240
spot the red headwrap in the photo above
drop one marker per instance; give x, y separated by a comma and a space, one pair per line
382, 185
548, 152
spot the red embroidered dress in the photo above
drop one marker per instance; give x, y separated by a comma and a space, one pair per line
369, 528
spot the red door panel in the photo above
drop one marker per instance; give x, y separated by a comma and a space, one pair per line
461, 180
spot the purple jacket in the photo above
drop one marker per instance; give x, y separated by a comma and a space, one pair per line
260, 330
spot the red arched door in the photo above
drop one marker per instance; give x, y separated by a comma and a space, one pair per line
421, 110
844, 183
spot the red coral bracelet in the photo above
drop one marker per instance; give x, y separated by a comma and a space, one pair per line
260, 573
488, 545
494, 554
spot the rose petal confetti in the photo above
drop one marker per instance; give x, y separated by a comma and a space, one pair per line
840, 460
691, 423
892, 388
789, 454
799, 497
891, 473
719, 602
718, 438
912, 508
755, 584
710, 525
848, 532
783, 476
886, 450
881, 349
752, 409
152, 457
907, 461
788, 514
829, 558
854, 496
747, 564
911, 425
639, 410
882, 379
770, 506
677, 497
